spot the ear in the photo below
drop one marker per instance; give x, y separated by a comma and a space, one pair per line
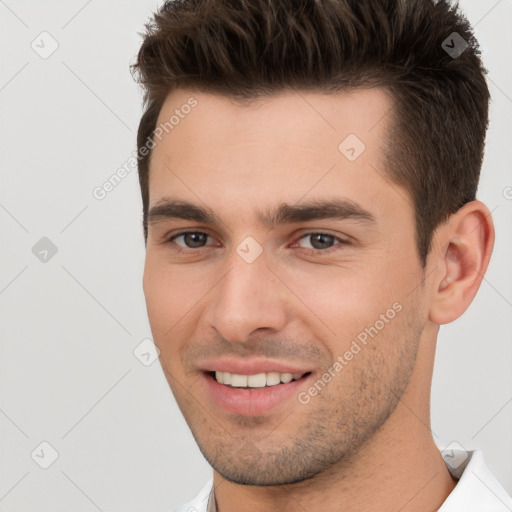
464, 246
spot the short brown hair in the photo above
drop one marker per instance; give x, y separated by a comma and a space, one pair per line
243, 49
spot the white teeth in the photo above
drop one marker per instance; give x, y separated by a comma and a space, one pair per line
238, 381
273, 378
258, 380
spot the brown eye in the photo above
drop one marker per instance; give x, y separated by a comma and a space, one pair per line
191, 239
320, 241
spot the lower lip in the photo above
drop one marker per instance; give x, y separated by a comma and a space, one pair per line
252, 402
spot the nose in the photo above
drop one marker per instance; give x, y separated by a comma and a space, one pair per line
249, 297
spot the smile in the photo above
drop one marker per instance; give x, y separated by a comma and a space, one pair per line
258, 380
255, 394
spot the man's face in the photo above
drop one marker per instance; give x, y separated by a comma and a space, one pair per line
335, 301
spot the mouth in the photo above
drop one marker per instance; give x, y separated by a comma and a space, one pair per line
255, 381
256, 394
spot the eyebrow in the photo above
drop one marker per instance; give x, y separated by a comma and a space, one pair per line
318, 209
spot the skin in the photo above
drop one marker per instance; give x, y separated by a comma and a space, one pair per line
357, 444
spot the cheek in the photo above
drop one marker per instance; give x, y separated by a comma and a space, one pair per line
175, 297
160, 298
170, 296
357, 312
164, 304
342, 301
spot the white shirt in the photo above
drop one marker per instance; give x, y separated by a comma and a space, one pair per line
477, 489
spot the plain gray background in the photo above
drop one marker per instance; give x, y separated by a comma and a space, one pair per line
70, 324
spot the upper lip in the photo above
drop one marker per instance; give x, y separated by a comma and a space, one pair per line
251, 366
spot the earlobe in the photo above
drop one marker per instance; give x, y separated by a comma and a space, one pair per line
466, 240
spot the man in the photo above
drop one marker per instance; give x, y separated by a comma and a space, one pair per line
309, 173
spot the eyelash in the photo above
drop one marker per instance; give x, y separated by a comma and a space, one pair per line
170, 241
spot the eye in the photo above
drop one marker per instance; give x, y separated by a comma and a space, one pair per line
191, 239
320, 241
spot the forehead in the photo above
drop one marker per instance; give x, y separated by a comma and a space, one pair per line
288, 114
288, 147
